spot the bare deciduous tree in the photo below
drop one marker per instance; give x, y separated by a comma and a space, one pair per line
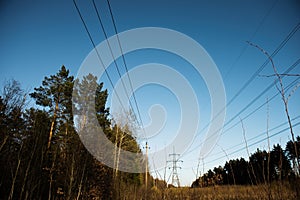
285, 98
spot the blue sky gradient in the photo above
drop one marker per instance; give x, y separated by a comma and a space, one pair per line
38, 37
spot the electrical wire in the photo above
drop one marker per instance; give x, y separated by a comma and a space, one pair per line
111, 52
256, 73
257, 136
98, 55
250, 39
257, 142
251, 103
254, 143
126, 68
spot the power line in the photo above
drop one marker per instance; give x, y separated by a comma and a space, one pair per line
257, 142
254, 143
251, 38
252, 102
261, 134
262, 93
98, 55
263, 104
111, 52
253, 138
257, 136
256, 73
118, 70
125, 64
116, 66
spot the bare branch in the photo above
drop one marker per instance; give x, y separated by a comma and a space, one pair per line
293, 91
285, 100
245, 139
229, 164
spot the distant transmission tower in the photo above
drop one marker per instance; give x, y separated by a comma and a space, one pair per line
175, 160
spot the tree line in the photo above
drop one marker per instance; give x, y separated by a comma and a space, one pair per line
262, 167
43, 157
41, 154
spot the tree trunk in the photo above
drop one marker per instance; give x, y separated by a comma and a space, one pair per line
14, 181
15, 176
71, 178
81, 180
28, 167
119, 152
115, 155
3, 143
51, 176
52, 123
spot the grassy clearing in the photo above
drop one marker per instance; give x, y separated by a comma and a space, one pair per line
261, 192
230, 192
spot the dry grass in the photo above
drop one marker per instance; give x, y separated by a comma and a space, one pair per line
278, 192
228, 192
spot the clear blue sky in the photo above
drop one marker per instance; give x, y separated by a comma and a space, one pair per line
37, 37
